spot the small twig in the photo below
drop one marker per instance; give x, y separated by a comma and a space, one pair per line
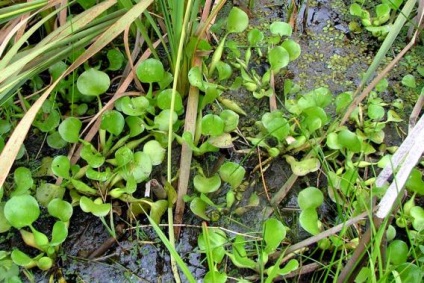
262, 176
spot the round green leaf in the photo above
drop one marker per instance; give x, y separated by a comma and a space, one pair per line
254, 37
292, 47
50, 123
60, 209
237, 20
139, 169
310, 198
113, 122
212, 125
198, 207
54, 140
397, 252
98, 209
22, 259
135, 124
162, 119
155, 151
342, 101
136, 106
59, 233
164, 100
232, 173
93, 82
231, 120
123, 156
207, 185
281, 29
409, 81
274, 234
116, 58
61, 166
309, 221
45, 263
69, 129
276, 125
94, 158
23, 180
375, 111
349, 140
224, 70
278, 58
195, 77
21, 211
150, 70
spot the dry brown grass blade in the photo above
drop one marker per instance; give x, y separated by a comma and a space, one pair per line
190, 121
11, 149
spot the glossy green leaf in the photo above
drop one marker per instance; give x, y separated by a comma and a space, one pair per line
309, 221
237, 20
281, 29
415, 182
94, 158
164, 99
115, 58
54, 140
274, 233
397, 252
198, 207
22, 259
417, 213
255, 36
195, 77
83, 188
135, 124
224, 70
212, 125
232, 173
375, 112
409, 272
157, 209
60, 209
140, 168
69, 129
61, 166
155, 151
150, 70
215, 241
21, 211
231, 120
49, 123
292, 47
342, 101
113, 122
279, 58
162, 119
93, 82
23, 181
320, 97
98, 209
349, 140
409, 81
59, 233
276, 125
123, 156
310, 197
207, 185
136, 106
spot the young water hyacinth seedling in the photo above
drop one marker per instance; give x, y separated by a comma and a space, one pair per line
273, 234
376, 24
22, 211
309, 200
202, 206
